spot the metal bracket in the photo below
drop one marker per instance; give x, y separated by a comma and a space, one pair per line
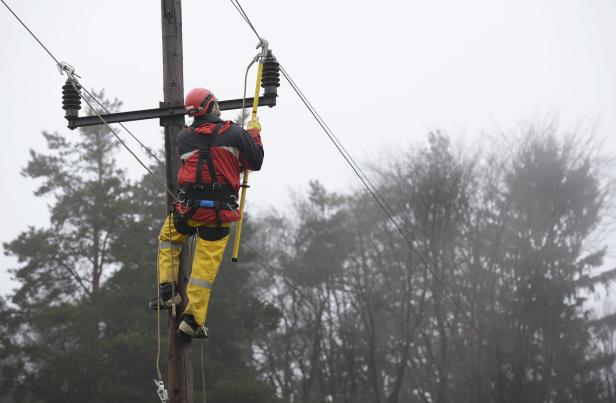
164, 121
164, 113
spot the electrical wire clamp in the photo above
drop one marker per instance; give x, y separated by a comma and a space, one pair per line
264, 45
64, 67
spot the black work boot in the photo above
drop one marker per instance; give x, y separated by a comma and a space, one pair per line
189, 328
168, 296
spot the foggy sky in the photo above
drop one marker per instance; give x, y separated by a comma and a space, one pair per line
382, 74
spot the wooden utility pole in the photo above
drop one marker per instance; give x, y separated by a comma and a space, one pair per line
180, 371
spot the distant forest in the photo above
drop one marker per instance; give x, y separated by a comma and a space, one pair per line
490, 287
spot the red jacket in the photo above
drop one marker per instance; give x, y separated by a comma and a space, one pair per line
233, 149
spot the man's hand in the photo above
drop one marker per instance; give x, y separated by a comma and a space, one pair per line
254, 124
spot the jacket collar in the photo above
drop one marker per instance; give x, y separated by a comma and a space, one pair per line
207, 118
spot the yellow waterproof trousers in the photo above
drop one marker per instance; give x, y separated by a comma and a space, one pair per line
206, 261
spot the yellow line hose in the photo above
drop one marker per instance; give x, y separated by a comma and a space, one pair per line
244, 186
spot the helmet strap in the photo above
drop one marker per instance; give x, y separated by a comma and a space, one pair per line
205, 101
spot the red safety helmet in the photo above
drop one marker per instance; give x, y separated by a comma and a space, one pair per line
200, 101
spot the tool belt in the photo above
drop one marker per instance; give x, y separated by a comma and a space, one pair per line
213, 195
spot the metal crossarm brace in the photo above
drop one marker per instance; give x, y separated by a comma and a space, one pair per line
163, 113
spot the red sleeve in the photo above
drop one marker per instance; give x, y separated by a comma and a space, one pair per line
251, 149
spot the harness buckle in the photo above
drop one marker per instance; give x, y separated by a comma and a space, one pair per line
182, 196
198, 187
233, 204
216, 186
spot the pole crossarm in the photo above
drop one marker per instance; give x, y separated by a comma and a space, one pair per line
163, 113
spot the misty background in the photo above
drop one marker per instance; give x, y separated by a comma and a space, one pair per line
487, 126
382, 76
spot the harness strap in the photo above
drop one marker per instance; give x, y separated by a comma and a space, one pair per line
206, 155
212, 171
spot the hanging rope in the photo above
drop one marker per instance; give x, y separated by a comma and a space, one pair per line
162, 392
203, 385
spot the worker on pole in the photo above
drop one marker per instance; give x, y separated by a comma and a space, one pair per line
213, 153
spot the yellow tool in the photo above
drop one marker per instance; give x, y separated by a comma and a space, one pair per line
238, 229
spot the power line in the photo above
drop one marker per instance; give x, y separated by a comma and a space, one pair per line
73, 82
146, 148
119, 139
341, 149
30, 32
91, 96
374, 192
77, 88
240, 9
378, 197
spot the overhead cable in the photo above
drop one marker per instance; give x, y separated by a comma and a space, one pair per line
58, 63
374, 192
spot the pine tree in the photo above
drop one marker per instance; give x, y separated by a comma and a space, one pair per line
78, 328
555, 202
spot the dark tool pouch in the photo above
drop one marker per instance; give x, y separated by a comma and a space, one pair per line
212, 233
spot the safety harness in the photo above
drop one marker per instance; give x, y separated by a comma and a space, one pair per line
213, 195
